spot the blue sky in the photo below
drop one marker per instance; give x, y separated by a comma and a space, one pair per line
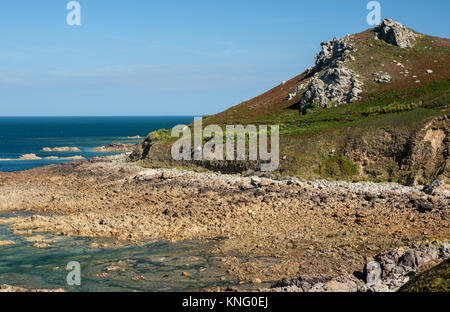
143, 57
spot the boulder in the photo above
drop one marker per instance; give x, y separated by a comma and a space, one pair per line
430, 188
372, 273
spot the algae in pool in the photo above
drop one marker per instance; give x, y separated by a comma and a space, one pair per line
149, 266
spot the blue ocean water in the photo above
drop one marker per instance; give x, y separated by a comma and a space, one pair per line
25, 135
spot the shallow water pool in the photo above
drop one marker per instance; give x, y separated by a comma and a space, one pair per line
160, 263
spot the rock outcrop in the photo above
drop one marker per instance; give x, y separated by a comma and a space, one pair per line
334, 52
395, 33
335, 86
334, 83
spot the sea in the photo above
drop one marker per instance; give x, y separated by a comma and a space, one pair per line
158, 265
29, 135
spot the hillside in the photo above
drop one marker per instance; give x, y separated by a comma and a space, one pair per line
374, 107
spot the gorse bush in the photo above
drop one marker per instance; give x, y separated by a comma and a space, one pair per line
393, 108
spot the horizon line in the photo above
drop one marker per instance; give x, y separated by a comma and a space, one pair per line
56, 116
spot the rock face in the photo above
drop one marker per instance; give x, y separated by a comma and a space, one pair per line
424, 152
335, 86
382, 77
395, 33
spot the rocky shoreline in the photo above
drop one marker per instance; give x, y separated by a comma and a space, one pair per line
266, 230
384, 273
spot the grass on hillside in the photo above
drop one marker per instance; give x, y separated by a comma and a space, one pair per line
436, 279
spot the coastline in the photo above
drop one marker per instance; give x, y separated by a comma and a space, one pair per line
283, 229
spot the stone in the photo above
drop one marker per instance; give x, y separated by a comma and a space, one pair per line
296, 91
408, 259
372, 273
445, 250
429, 71
430, 188
256, 281
382, 77
396, 34
255, 181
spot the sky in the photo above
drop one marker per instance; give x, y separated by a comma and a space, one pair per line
149, 58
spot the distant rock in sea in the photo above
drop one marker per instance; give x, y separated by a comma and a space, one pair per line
35, 157
29, 157
61, 149
135, 137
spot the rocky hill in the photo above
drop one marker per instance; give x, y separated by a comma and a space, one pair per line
374, 107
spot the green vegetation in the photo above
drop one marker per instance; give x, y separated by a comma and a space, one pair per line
435, 280
162, 135
337, 167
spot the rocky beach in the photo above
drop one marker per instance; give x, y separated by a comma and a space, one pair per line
267, 230
357, 199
